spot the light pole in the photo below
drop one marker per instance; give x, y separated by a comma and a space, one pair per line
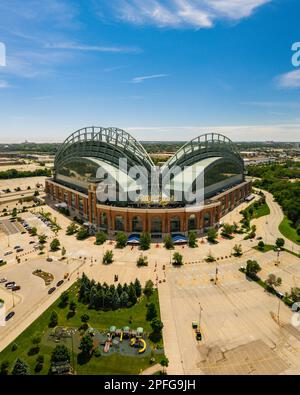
217, 271
278, 311
13, 299
200, 313
278, 252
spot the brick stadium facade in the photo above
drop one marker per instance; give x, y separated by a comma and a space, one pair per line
81, 199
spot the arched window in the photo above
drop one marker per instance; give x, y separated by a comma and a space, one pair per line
175, 224
119, 223
192, 222
137, 224
156, 225
103, 221
207, 220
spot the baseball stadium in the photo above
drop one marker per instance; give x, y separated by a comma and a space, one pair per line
89, 181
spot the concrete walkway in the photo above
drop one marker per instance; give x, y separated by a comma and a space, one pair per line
153, 369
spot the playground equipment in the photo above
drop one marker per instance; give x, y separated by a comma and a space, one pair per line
143, 349
138, 343
107, 343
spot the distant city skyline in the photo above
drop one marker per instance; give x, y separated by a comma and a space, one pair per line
161, 70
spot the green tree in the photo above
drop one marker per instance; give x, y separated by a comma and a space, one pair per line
192, 239
121, 240
273, 281
64, 299
86, 345
42, 239
168, 242
157, 327
295, 294
280, 242
212, 234
73, 306
164, 363
85, 318
145, 240
151, 312
101, 238
4, 368
20, 368
261, 245
33, 231
227, 230
124, 299
142, 261
108, 257
54, 245
177, 259
63, 252
149, 288
53, 319
138, 288
252, 268
72, 229
60, 354
82, 233
237, 250
132, 295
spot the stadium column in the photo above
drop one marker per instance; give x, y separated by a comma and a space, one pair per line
77, 202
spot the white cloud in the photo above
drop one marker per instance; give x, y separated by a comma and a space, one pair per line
138, 80
4, 84
182, 13
235, 9
290, 80
93, 48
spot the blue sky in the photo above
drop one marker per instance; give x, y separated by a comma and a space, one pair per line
162, 70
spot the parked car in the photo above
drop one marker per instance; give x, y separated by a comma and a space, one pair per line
16, 288
9, 315
20, 249
3, 280
10, 284
51, 290
8, 253
59, 283
16, 247
32, 242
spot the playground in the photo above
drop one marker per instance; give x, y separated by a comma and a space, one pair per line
125, 341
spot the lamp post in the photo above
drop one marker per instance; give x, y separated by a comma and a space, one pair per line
13, 299
278, 311
200, 313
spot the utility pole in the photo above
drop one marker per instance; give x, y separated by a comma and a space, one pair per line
217, 271
278, 252
278, 311
13, 299
200, 313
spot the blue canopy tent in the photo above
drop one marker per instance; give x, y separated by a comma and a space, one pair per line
179, 239
133, 239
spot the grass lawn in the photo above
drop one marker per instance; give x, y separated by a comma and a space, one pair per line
267, 247
112, 364
261, 211
288, 231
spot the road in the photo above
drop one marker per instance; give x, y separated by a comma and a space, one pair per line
267, 226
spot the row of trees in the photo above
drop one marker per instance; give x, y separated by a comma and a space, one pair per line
13, 173
275, 179
104, 297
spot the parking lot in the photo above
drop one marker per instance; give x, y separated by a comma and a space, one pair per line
239, 324
26, 301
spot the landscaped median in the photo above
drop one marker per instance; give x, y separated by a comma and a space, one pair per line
288, 231
92, 329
